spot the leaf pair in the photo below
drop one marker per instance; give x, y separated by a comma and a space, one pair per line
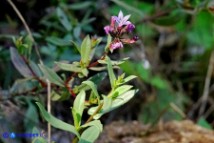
93, 129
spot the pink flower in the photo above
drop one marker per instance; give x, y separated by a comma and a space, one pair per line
119, 26
116, 45
118, 23
108, 29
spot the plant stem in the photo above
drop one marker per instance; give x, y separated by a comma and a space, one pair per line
89, 120
49, 108
97, 111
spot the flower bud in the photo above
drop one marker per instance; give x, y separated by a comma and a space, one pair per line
130, 27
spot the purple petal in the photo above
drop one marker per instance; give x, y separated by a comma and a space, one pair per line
130, 27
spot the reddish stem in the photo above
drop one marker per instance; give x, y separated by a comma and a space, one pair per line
70, 90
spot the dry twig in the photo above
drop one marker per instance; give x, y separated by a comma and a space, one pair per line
207, 85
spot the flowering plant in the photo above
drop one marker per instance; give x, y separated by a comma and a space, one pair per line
95, 103
118, 27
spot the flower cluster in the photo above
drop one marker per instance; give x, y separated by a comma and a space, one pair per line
118, 27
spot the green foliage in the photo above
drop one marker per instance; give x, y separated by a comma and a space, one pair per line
89, 135
51, 75
56, 122
81, 5
119, 94
145, 75
85, 51
171, 19
111, 73
63, 19
23, 85
69, 67
78, 108
37, 139
201, 33
19, 63
24, 45
203, 123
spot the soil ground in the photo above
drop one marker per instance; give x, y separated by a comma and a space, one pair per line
171, 132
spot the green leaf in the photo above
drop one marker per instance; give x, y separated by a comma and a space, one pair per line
56, 122
97, 68
24, 45
77, 32
69, 67
120, 90
76, 46
89, 135
63, 19
122, 99
23, 85
144, 74
79, 102
85, 50
127, 79
58, 41
19, 63
35, 68
203, 123
95, 41
95, 123
159, 82
105, 109
59, 95
114, 63
95, 79
108, 42
84, 72
202, 36
110, 72
77, 119
129, 67
51, 76
93, 87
